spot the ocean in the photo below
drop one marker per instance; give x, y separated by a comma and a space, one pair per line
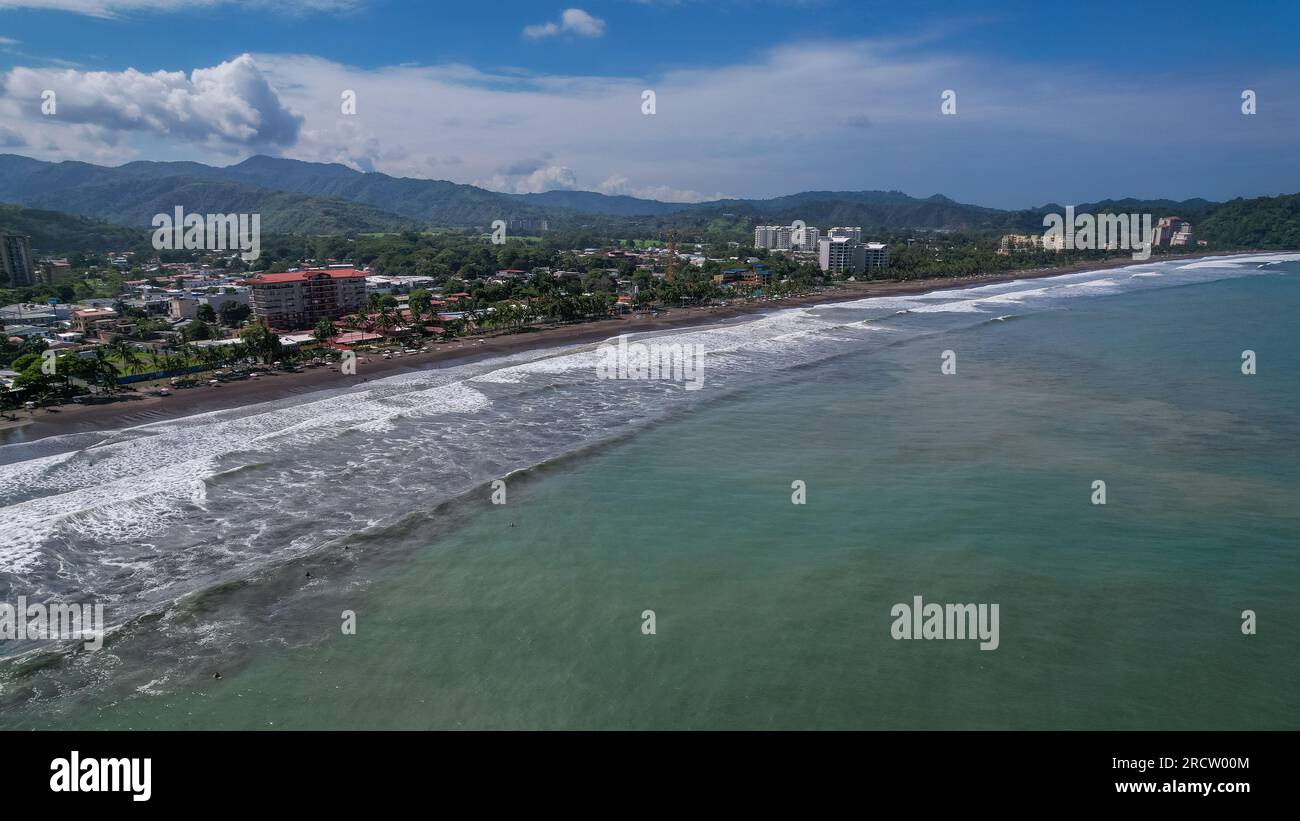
232, 550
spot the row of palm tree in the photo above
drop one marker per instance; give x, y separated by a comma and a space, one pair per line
552, 308
510, 314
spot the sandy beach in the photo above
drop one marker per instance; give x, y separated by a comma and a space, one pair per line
139, 408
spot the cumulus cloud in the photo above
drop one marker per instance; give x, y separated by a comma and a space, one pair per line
617, 185
572, 21
531, 176
229, 104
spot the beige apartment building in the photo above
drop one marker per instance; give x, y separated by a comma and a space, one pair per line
298, 299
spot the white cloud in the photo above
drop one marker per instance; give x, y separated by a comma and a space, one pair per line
229, 104
541, 30
573, 21
545, 178
618, 185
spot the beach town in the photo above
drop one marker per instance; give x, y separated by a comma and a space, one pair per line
177, 331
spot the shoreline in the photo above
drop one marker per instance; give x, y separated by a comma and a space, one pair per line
135, 409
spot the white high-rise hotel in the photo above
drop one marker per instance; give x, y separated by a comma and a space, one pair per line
842, 251
783, 238
843, 254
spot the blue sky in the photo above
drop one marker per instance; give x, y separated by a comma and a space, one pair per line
1055, 102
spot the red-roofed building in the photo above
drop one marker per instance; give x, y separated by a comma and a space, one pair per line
299, 299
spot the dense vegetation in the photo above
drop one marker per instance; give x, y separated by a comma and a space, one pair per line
53, 230
1264, 222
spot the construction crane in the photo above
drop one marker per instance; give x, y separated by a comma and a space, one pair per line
672, 255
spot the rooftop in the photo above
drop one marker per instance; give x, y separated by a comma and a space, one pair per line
302, 276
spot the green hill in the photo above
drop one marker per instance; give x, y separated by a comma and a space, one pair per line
1263, 222
56, 233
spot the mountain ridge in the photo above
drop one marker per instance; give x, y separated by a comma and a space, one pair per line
296, 196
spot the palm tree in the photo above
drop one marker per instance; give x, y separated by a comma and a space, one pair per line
506, 314
132, 359
261, 342
165, 362
386, 321
419, 305
8, 404
102, 371
210, 356
324, 329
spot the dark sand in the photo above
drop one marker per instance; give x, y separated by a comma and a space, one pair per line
142, 408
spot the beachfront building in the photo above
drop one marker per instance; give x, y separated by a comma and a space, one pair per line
842, 232
353, 338
783, 238
876, 255
844, 255
1173, 231
841, 255
16, 259
1016, 243
299, 299
744, 279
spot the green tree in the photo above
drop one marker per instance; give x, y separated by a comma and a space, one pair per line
196, 331
261, 342
132, 359
101, 371
324, 329
233, 314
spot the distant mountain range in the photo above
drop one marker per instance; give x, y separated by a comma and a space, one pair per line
329, 198
319, 198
